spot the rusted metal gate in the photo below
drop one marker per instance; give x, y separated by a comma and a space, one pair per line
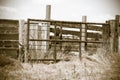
52, 37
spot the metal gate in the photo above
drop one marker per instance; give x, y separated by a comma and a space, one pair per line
50, 40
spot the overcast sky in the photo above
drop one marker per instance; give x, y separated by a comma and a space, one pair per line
72, 10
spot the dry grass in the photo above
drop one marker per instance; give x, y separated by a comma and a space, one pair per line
100, 66
8, 65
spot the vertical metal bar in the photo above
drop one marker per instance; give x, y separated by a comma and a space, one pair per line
80, 53
61, 36
86, 37
28, 33
54, 55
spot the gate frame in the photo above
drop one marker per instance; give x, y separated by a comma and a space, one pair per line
55, 40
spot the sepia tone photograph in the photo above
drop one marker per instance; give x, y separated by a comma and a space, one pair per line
59, 39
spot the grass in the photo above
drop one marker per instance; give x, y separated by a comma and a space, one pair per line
99, 66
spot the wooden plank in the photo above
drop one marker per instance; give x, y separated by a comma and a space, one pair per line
10, 52
9, 25
9, 21
114, 35
8, 32
9, 36
116, 40
8, 48
9, 43
9, 28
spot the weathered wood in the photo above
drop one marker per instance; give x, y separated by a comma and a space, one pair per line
27, 41
117, 19
9, 48
106, 32
9, 43
21, 39
114, 24
8, 28
9, 36
48, 17
9, 21
10, 52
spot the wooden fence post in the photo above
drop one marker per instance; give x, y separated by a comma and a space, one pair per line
21, 39
27, 42
84, 33
117, 33
106, 36
48, 17
112, 27
80, 54
114, 24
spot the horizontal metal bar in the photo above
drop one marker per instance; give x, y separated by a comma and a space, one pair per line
77, 33
53, 40
70, 22
31, 23
95, 28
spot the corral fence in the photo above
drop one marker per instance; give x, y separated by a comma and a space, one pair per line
48, 40
9, 37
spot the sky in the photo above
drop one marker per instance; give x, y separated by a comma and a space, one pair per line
70, 10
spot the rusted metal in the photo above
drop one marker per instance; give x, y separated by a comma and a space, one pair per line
54, 55
69, 22
53, 40
80, 53
96, 28
89, 34
63, 25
